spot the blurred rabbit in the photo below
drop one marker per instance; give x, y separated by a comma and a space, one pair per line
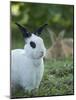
61, 47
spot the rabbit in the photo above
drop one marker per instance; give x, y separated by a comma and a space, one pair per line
61, 47
27, 64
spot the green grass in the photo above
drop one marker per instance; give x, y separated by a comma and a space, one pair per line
57, 80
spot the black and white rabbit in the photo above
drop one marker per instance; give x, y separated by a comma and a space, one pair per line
27, 64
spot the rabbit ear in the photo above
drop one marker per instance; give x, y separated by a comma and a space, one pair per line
40, 29
61, 34
52, 35
26, 34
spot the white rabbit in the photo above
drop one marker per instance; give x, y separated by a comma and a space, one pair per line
27, 65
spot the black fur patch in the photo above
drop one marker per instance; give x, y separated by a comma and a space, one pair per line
32, 44
40, 29
26, 34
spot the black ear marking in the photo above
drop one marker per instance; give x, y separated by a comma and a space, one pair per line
40, 29
26, 34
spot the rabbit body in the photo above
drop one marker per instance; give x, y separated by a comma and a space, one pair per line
67, 45
61, 49
55, 51
26, 71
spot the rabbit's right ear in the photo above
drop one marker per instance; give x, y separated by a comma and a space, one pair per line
52, 35
40, 29
24, 31
61, 34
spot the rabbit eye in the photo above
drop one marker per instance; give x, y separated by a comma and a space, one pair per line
32, 44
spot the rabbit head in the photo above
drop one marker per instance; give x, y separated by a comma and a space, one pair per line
34, 46
54, 38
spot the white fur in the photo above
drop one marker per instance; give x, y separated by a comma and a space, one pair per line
27, 65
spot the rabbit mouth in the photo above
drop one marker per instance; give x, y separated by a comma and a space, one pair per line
38, 57
41, 55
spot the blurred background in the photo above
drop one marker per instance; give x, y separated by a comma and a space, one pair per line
58, 76
32, 15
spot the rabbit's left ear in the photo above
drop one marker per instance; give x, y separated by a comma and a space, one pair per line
24, 31
61, 34
40, 29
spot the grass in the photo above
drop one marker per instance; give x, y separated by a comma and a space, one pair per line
57, 80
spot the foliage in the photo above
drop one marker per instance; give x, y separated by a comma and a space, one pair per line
32, 15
